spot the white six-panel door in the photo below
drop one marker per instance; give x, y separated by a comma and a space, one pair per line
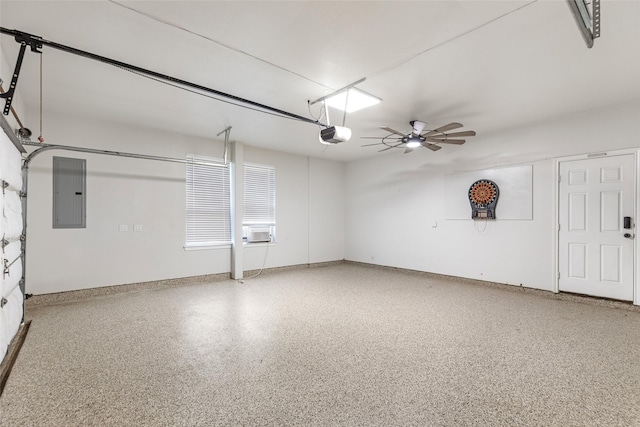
595, 256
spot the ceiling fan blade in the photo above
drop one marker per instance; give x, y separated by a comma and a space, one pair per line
388, 129
444, 128
435, 139
439, 140
371, 137
408, 150
465, 133
385, 149
453, 141
369, 145
431, 147
450, 126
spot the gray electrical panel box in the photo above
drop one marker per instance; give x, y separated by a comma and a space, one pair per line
69, 192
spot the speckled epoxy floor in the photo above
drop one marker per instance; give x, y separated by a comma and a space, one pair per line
338, 345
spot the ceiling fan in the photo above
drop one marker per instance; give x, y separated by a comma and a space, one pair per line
418, 137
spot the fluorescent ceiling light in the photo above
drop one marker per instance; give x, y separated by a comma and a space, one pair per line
357, 100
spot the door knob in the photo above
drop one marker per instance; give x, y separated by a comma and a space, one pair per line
629, 235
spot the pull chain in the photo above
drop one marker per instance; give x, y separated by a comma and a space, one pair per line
40, 138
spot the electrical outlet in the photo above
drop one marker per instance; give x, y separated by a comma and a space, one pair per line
137, 227
123, 227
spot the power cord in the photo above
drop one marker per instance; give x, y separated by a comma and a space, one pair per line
264, 263
475, 225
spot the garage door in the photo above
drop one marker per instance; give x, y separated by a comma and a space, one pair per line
11, 308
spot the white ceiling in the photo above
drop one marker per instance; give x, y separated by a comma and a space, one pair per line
490, 65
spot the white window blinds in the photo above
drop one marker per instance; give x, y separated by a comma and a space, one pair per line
259, 195
208, 202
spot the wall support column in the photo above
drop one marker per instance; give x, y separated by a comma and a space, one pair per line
237, 209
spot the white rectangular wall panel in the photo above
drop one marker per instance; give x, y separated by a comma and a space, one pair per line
516, 192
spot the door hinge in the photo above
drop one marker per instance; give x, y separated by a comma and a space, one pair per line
558, 275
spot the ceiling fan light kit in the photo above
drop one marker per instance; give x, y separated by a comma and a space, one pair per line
413, 143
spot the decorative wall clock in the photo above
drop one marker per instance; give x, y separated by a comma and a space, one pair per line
483, 197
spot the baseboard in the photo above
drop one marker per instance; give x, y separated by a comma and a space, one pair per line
62, 297
585, 299
59, 297
249, 273
12, 353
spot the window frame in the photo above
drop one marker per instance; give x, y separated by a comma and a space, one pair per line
261, 217
200, 208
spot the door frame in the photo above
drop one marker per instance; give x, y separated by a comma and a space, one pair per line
556, 213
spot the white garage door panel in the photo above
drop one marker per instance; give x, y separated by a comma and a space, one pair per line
11, 215
14, 312
4, 334
12, 252
10, 318
10, 228
10, 162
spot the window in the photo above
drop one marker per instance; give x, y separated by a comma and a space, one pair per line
208, 202
259, 221
69, 188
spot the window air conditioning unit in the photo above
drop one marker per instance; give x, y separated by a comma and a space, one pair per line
258, 234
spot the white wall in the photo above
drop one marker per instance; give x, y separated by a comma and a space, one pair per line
394, 200
119, 191
152, 194
326, 210
309, 210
